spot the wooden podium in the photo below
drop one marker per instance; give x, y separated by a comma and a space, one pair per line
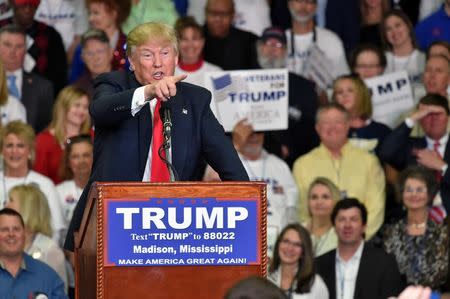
96, 277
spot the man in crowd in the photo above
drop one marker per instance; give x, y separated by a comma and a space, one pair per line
435, 27
46, 54
356, 269
399, 149
96, 53
226, 46
300, 137
282, 192
354, 171
21, 276
126, 145
34, 91
316, 53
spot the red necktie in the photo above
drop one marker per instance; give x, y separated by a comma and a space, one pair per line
159, 172
438, 173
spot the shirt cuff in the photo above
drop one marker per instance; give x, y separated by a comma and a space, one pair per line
444, 169
409, 122
138, 101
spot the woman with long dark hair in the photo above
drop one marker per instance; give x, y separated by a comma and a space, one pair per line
292, 267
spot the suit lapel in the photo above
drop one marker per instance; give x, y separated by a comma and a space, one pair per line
144, 128
27, 81
181, 126
332, 276
447, 151
363, 273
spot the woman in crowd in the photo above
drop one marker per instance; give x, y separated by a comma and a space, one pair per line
70, 118
17, 142
106, 15
191, 44
351, 92
367, 60
322, 196
419, 245
292, 266
400, 44
31, 203
372, 12
10, 107
75, 170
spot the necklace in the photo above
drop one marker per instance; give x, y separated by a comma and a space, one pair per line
417, 225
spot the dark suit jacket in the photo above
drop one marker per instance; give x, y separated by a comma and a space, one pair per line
122, 142
378, 276
37, 96
397, 150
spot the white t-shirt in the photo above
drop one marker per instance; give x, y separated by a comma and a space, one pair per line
252, 15
63, 16
198, 77
46, 250
13, 110
69, 194
414, 64
282, 192
47, 187
327, 41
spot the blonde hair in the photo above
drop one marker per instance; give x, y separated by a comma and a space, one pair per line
363, 97
335, 194
22, 131
3, 86
33, 208
151, 31
66, 98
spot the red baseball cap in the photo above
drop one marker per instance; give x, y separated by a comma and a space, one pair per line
25, 2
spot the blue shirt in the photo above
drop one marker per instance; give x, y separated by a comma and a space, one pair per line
435, 27
34, 277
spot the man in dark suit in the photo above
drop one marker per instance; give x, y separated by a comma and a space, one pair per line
226, 46
125, 142
356, 269
34, 91
399, 149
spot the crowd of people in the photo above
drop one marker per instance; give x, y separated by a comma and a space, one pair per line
356, 208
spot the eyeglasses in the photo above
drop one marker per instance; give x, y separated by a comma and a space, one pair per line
287, 242
367, 66
274, 44
310, 2
219, 14
418, 190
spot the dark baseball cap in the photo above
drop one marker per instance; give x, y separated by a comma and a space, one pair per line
274, 32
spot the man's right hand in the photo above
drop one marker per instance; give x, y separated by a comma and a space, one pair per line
241, 131
164, 88
424, 110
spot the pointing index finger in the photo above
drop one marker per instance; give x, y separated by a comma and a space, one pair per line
179, 78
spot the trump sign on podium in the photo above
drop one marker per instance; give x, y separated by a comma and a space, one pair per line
261, 96
182, 231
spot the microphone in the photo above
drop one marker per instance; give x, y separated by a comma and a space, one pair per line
165, 114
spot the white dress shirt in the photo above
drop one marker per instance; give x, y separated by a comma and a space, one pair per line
346, 273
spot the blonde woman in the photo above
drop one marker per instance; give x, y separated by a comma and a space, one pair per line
10, 107
17, 141
70, 118
322, 196
32, 204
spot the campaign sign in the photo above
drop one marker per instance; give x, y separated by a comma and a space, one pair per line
261, 96
391, 97
182, 231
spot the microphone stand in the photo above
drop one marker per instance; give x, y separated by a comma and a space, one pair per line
167, 133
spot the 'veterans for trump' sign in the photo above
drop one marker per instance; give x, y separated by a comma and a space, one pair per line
261, 96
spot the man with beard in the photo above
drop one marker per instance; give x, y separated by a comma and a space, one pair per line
300, 137
313, 47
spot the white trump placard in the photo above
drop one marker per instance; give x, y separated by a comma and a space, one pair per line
261, 96
391, 97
